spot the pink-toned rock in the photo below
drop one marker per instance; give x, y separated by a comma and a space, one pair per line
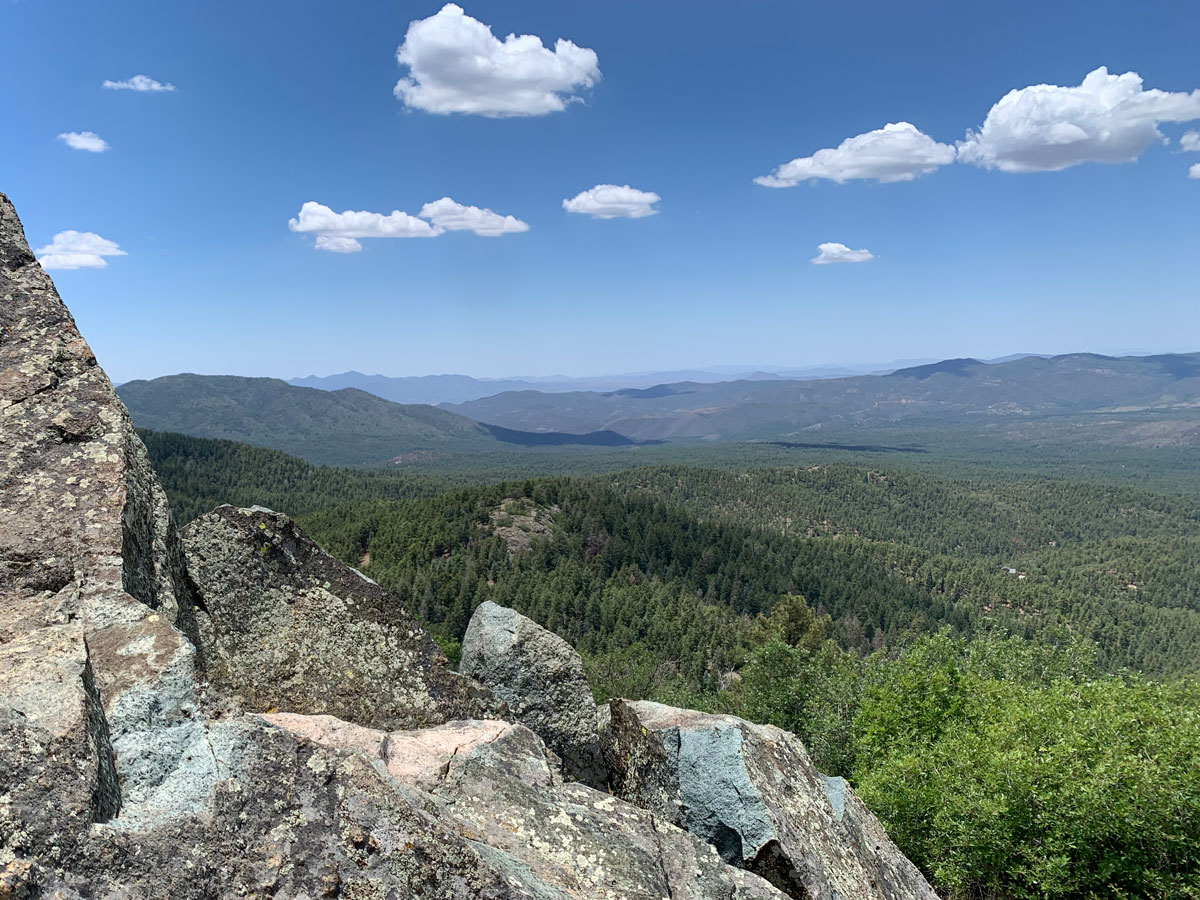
497, 784
421, 757
417, 757
330, 732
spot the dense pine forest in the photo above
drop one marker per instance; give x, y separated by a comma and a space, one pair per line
998, 662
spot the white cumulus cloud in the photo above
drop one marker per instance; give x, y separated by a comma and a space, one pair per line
896, 152
610, 201
84, 140
340, 232
834, 252
1194, 171
1190, 141
447, 214
456, 65
140, 83
335, 231
77, 250
1046, 127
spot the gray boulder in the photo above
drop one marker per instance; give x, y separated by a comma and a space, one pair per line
285, 626
541, 678
753, 793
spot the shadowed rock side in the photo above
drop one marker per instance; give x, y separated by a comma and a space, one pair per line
287, 627
753, 793
541, 678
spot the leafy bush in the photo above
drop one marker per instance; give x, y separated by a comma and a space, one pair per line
1002, 778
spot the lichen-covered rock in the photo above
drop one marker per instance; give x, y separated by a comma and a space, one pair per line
541, 678
292, 819
495, 783
86, 545
753, 793
285, 626
86, 527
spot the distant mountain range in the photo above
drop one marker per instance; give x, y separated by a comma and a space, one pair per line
343, 427
1148, 400
1029, 388
464, 388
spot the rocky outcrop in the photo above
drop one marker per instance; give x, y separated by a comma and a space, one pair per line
132, 763
753, 793
284, 626
541, 678
495, 783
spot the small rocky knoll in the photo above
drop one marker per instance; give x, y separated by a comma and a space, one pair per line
518, 522
236, 714
284, 626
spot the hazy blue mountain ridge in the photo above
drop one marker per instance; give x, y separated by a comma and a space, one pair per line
1027, 389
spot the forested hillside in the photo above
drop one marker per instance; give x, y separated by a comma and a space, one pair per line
342, 427
887, 553
1019, 636
336, 427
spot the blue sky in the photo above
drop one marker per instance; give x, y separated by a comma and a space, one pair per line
281, 104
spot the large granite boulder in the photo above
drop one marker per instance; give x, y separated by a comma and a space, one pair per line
541, 678
285, 626
753, 793
113, 781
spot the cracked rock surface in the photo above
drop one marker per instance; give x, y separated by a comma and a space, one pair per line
496, 784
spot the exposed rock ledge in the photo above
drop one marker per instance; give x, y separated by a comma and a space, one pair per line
137, 754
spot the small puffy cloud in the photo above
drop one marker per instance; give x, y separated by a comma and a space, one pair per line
839, 253
336, 232
335, 244
1190, 141
77, 250
1045, 127
456, 65
140, 83
84, 140
451, 216
896, 152
1194, 171
339, 232
610, 201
